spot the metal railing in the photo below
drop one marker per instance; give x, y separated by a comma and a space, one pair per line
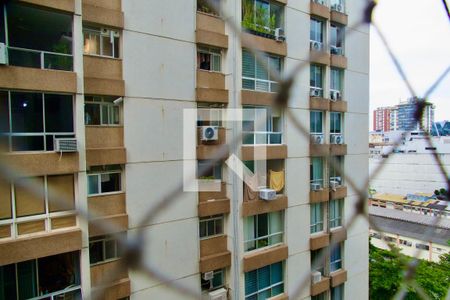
30, 58
262, 138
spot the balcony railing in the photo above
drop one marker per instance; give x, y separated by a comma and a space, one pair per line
264, 241
72, 293
22, 57
262, 138
261, 85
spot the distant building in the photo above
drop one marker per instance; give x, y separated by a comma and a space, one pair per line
401, 117
441, 128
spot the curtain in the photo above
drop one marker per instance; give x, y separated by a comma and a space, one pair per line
317, 164
276, 225
249, 232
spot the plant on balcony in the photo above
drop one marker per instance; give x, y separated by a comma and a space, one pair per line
202, 6
255, 21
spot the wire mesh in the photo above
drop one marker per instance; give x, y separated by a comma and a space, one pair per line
135, 246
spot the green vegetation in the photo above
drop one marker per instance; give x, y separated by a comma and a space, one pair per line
257, 20
387, 270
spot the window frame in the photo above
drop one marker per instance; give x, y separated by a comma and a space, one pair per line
340, 32
97, 31
213, 53
104, 239
269, 236
214, 219
271, 285
313, 178
337, 289
99, 174
212, 287
267, 133
43, 134
112, 109
317, 212
338, 261
336, 80
317, 32
316, 74
336, 213
270, 6
336, 121
272, 85
318, 117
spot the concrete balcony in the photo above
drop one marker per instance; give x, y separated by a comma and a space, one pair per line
211, 31
339, 192
107, 13
103, 76
319, 103
322, 195
264, 257
264, 44
259, 206
338, 61
213, 203
211, 87
319, 10
338, 17
320, 287
339, 106
256, 152
319, 240
104, 145
338, 277
214, 254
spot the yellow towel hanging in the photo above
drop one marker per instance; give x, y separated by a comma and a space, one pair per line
276, 180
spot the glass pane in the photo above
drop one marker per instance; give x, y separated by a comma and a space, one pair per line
216, 63
261, 71
262, 86
58, 62
57, 272
93, 184
26, 28
248, 84
262, 225
116, 47
110, 249
110, 182
58, 113
251, 284
107, 46
24, 58
210, 228
264, 295
91, 114
105, 119
26, 279
277, 290
28, 143
276, 273
217, 279
248, 64
263, 277
4, 112
262, 13
91, 43
96, 252
116, 116
218, 224
2, 33
202, 229
26, 112
8, 282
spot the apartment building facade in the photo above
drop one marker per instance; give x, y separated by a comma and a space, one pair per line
92, 99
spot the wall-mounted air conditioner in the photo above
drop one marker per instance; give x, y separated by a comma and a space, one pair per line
315, 45
209, 133
220, 294
208, 275
267, 194
315, 187
337, 139
336, 50
2, 54
335, 95
279, 35
334, 184
317, 138
65, 145
337, 7
315, 92
316, 277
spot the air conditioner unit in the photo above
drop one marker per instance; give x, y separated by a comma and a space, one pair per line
210, 133
338, 179
317, 138
65, 145
315, 187
336, 50
334, 184
220, 294
316, 277
321, 2
105, 31
337, 7
267, 194
315, 92
2, 54
116, 33
279, 35
315, 45
335, 95
208, 275
337, 139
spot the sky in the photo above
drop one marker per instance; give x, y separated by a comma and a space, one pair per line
419, 34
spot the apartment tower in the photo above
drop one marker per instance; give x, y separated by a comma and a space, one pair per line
92, 96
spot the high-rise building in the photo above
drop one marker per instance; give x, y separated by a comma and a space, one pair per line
401, 117
92, 96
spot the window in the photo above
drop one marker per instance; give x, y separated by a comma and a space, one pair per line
316, 217
53, 48
335, 123
211, 226
337, 39
262, 17
101, 41
261, 125
316, 78
104, 248
316, 120
316, 31
101, 111
337, 293
209, 115
209, 59
334, 173
255, 76
318, 261
203, 6
321, 296
208, 170
218, 281
106, 179
405, 243
336, 258
422, 246
58, 275
35, 119
263, 230
265, 282
336, 81
336, 212
316, 171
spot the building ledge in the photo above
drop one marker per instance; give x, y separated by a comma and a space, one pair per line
339, 192
338, 235
256, 152
264, 257
214, 207
114, 224
256, 207
319, 240
215, 261
319, 196
319, 103
338, 277
320, 287
319, 10
264, 44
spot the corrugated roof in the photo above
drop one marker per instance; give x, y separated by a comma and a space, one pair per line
389, 197
408, 217
412, 230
